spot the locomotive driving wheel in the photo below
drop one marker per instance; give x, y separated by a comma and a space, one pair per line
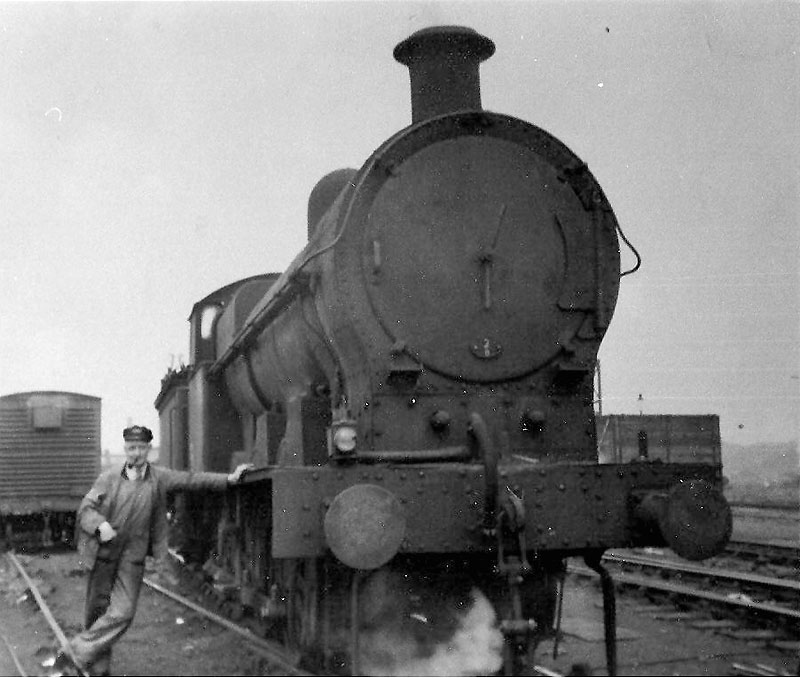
300, 578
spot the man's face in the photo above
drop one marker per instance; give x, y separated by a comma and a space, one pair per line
136, 452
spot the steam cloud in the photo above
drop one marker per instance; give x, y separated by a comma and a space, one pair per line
474, 648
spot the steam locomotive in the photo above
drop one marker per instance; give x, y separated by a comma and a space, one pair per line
416, 393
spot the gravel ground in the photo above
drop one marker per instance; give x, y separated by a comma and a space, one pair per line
167, 640
656, 640
164, 639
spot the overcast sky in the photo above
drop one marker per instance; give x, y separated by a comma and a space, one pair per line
152, 153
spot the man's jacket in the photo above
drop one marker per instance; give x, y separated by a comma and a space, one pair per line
101, 504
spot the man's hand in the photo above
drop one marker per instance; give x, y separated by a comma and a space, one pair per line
105, 533
238, 472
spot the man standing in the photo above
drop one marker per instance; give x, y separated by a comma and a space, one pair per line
122, 519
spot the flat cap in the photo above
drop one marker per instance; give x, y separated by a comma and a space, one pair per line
140, 433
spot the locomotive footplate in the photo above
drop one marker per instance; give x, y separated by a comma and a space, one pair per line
440, 508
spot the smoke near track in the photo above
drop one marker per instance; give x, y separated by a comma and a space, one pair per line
459, 638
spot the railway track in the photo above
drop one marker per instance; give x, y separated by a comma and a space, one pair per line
45, 609
773, 596
274, 657
764, 554
752, 608
772, 602
160, 612
13, 654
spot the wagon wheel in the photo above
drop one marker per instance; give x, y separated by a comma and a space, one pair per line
302, 604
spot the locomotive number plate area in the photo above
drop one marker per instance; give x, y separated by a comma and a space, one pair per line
486, 349
566, 507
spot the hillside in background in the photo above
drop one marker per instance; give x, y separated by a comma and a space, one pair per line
762, 474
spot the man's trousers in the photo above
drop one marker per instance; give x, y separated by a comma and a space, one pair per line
111, 598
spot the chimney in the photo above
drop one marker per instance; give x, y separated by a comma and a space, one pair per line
443, 62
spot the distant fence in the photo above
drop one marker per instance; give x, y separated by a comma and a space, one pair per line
755, 494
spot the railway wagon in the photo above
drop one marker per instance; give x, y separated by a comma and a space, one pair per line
691, 439
415, 391
49, 458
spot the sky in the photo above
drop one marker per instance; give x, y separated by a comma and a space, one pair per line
154, 152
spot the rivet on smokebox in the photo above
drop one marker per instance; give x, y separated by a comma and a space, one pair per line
561, 487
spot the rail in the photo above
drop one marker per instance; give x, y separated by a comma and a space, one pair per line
787, 554
730, 575
269, 650
680, 589
51, 620
13, 656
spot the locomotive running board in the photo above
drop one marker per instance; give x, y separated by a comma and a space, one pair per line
596, 518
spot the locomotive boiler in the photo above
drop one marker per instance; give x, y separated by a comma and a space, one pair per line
416, 391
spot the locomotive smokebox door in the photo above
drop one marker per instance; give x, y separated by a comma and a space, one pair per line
365, 526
